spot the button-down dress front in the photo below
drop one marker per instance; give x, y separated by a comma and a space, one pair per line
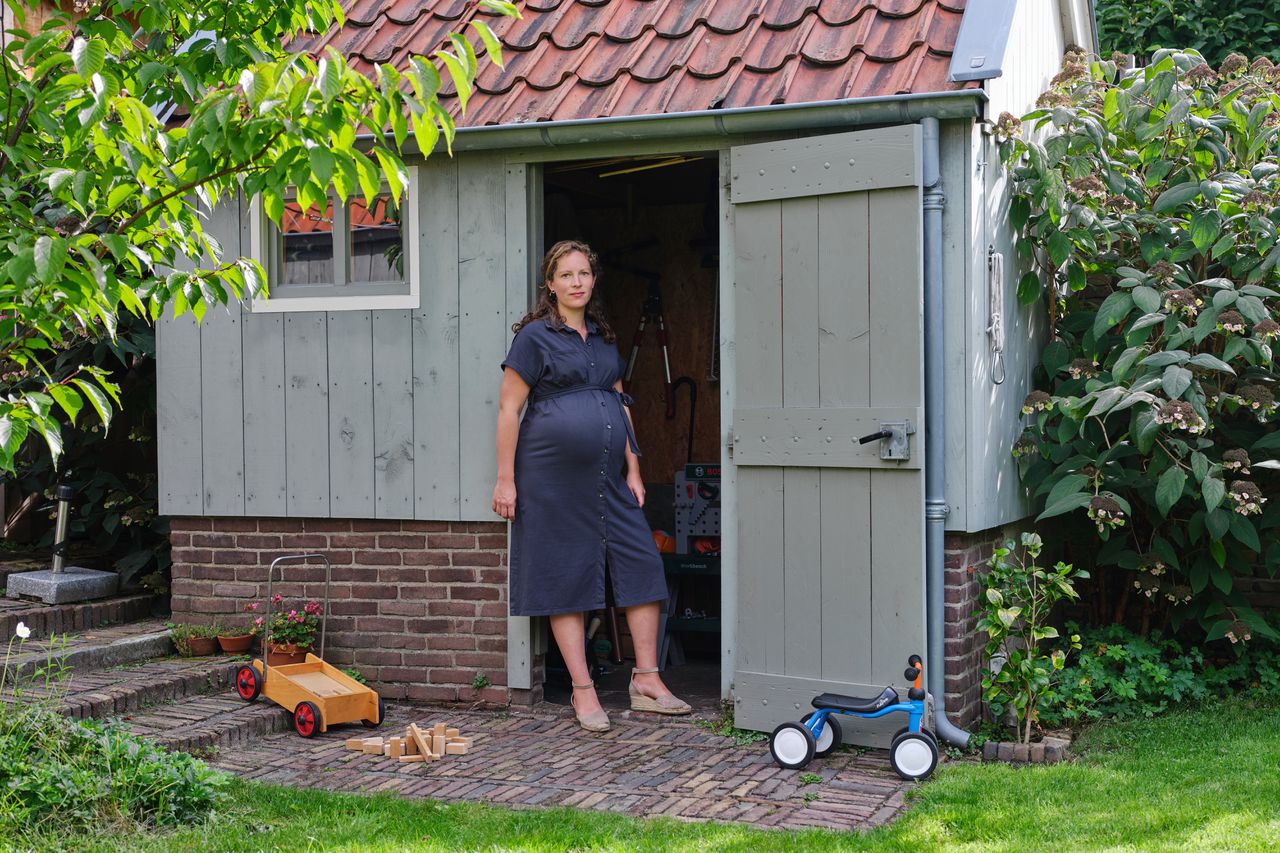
574, 512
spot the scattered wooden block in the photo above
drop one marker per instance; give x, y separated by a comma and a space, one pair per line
466, 741
438, 730
451, 733
355, 743
455, 748
437, 744
412, 759
373, 746
395, 747
420, 739
410, 745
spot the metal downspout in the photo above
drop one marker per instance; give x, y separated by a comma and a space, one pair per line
935, 477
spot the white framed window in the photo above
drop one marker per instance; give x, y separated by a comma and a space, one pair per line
347, 257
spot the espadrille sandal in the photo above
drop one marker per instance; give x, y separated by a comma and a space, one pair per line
595, 721
667, 704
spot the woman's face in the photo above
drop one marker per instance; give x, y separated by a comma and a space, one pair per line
572, 281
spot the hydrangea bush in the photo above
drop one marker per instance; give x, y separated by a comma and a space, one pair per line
1149, 204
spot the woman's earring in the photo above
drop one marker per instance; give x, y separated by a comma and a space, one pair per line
551, 294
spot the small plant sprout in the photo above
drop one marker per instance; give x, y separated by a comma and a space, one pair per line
810, 779
481, 681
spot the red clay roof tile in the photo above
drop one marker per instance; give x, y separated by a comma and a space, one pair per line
577, 59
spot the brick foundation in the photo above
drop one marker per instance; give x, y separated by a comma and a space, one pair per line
965, 555
419, 607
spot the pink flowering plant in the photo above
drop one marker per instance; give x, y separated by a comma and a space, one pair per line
288, 625
1148, 209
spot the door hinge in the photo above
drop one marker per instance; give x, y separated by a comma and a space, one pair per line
728, 443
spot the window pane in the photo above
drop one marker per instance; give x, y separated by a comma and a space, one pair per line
306, 245
377, 244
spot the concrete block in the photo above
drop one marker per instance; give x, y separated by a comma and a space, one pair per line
1021, 752
70, 585
1005, 751
989, 750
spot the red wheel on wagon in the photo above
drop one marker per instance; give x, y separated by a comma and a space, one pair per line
248, 683
306, 719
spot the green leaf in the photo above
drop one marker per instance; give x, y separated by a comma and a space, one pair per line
1056, 356
1204, 229
459, 75
1213, 490
1176, 195
492, 47
1199, 466
1113, 309
1206, 361
1060, 247
1146, 298
50, 256
59, 178
1070, 502
1120, 369
1019, 212
1076, 279
994, 596
1106, 399
1169, 488
1028, 288
1243, 530
68, 399
13, 431
88, 56
1217, 522
1176, 380
322, 161
328, 79
98, 399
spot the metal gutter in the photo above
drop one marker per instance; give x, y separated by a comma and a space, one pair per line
935, 423
850, 112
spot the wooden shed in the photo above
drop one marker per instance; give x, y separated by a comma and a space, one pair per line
733, 158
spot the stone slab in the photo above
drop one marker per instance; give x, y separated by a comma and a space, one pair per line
70, 585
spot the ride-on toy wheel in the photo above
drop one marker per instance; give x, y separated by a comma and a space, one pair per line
913, 756
924, 731
382, 715
306, 719
793, 746
831, 736
248, 683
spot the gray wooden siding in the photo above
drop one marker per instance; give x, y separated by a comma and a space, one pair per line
355, 414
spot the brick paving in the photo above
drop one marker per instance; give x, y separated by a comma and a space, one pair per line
643, 767
46, 619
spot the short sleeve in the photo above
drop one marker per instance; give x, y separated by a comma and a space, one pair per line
526, 357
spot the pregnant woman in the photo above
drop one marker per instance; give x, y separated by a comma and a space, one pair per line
569, 480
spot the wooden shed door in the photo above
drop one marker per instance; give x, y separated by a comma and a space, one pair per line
828, 312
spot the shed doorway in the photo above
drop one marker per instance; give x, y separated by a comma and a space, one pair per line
654, 221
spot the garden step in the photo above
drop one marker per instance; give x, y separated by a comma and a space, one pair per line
98, 648
217, 721
45, 620
118, 691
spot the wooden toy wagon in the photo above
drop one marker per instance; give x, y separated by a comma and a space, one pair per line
317, 694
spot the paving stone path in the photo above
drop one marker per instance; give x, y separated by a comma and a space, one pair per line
642, 767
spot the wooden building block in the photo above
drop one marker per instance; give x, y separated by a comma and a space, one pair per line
465, 740
373, 746
355, 743
438, 730
420, 739
451, 733
456, 748
412, 759
437, 744
410, 745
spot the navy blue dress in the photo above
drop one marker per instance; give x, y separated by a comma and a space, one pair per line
574, 512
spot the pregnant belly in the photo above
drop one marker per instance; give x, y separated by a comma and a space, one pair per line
573, 438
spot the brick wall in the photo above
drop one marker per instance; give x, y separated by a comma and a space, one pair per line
966, 555
419, 607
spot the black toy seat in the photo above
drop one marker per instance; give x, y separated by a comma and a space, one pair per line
840, 702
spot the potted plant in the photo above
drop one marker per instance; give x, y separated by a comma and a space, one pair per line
194, 640
291, 632
236, 641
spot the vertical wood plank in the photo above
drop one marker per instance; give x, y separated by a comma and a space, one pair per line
847, 604
264, 420
519, 279
435, 347
896, 288
306, 401
844, 333
758, 296
484, 336
897, 572
222, 407
802, 507
180, 458
351, 377
393, 414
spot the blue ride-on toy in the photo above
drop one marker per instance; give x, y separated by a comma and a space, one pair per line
913, 752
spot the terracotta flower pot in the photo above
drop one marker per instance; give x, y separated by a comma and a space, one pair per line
203, 646
280, 654
236, 643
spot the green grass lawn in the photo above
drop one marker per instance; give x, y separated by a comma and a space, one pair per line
1201, 779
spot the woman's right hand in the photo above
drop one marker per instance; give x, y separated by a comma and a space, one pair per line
504, 499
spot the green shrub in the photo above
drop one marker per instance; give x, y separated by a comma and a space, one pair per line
1212, 27
1118, 674
182, 633
1149, 205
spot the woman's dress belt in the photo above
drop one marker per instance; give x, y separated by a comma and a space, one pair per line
623, 399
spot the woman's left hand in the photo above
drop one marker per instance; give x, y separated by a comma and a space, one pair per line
636, 485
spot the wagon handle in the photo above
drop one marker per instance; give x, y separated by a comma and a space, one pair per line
324, 614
